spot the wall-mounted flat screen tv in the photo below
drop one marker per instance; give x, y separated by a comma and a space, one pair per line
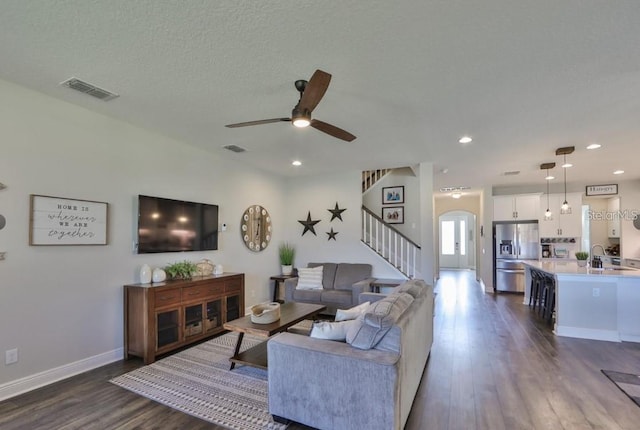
166, 225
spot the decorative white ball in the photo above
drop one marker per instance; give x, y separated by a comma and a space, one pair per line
159, 275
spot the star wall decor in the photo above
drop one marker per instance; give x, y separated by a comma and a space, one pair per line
309, 224
336, 213
332, 234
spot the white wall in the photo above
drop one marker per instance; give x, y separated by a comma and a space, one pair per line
317, 195
405, 177
61, 306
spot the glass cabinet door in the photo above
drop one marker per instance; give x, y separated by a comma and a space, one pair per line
193, 320
213, 318
167, 328
233, 308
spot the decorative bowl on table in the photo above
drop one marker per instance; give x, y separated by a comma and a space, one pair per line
265, 313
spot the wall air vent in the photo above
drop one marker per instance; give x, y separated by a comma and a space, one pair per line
234, 148
87, 88
512, 173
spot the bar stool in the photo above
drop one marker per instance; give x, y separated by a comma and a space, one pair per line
547, 297
534, 291
550, 303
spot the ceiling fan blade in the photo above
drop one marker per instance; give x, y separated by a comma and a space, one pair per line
314, 91
262, 121
332, 130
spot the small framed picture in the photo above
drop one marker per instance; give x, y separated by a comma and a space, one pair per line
393, 214
392, 195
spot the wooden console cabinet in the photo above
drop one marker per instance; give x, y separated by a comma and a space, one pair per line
159, 318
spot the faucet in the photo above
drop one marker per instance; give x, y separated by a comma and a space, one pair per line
604, 252
597, 263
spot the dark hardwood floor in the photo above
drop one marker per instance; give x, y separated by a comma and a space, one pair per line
493, 365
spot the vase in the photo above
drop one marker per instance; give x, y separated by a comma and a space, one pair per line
287, 270
158, 275
145, 274
582, 263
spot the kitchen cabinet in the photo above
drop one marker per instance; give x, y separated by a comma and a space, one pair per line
519, 207
568, 224
613, 217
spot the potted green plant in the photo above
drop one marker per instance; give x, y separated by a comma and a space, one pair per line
287, 254
582, 257
181, 270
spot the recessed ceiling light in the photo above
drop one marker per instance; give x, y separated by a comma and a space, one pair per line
565, 165
456, 195
550, 177
594, 146
465, 139
618, 172
296, 163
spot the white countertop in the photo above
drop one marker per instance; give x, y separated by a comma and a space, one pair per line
571, 268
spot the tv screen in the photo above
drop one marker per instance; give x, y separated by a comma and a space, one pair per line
166, 225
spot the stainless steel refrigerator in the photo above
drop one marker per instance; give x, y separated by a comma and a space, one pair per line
513, 243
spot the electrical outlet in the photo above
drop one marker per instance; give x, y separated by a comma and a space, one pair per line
596, 292
11, 356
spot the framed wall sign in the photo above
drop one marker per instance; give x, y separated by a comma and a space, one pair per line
393, 214
392, 195
61, 221
602, 190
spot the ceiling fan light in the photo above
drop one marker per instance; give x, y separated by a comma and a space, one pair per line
300, 117
301, 122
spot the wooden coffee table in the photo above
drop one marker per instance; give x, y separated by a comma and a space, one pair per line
291, 313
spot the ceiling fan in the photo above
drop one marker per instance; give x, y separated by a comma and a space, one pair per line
311, 93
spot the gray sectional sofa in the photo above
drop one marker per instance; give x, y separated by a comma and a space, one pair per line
342, 284
369, 383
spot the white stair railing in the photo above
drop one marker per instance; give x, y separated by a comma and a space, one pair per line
370, 177
389, 243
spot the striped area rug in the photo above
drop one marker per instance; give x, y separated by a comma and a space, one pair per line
197, 381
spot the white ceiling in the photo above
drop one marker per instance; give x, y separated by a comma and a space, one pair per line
409, 78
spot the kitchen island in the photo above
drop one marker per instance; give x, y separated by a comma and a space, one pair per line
599, 304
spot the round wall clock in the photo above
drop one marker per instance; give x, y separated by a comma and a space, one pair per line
255, 228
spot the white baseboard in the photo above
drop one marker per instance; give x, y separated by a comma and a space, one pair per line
629, 338
588, 333
31, 382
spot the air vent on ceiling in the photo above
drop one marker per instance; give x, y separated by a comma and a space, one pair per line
87, 88
512, 173
234, 148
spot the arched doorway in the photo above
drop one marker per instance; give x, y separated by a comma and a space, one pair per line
457, 247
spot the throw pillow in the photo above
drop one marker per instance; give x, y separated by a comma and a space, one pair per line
414, 287
310, 278
352, 313
376, 322
331, 330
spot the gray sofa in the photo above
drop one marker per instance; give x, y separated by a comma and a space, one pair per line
336, 385
342, 284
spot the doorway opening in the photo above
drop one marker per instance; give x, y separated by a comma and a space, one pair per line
457, 247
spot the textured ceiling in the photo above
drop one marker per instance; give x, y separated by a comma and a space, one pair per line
409, 78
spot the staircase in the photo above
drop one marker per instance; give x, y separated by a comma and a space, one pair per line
397, 249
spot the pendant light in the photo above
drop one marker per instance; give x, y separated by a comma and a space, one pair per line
565, 204
547, 166
564, 151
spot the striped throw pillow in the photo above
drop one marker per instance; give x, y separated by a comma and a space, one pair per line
310, 279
